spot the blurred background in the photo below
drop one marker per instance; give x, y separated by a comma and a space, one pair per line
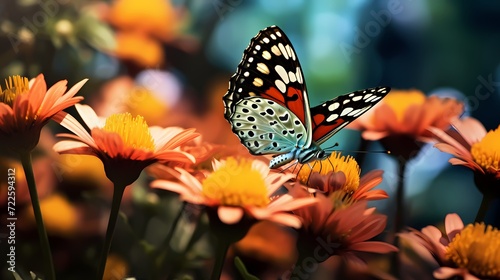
170, 61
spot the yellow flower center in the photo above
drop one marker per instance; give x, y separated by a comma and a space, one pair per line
15, 86
341, 199
335, 162
236, 183
134, 132
486, 152
476, 248
401, 100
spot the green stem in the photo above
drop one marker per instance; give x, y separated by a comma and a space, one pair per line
399, 217
160, 254
483, 209
197, 233
166, 243
42, 233
220, 257
113, 216
400, 197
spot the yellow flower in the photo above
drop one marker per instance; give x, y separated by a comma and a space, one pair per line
125, 144
340, 175
26, 107
477, 249
469, 252
486, 152
475, 148
334, 163
236, 184
237, 188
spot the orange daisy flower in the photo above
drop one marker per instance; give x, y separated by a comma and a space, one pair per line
125, 144
402, 118
341, 173
163, 20
25, 107
238, 189
469, 252
471, 145
333, 228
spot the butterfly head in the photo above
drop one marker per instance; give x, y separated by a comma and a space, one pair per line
314, 152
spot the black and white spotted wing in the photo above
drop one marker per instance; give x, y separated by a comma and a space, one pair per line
270, 69
274, 130
330, 117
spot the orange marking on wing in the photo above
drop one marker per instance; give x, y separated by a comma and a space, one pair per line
317, 119
322, 130
274, 94
296, 106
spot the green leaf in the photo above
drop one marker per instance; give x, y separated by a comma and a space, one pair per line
243, 270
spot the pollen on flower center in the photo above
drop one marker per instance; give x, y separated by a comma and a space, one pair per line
477, 248
15, 86
133, 131
335, 162
236, 183
486, 152
341, 199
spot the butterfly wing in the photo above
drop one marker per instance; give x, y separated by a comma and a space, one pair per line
274, 130
270, 69
328, 118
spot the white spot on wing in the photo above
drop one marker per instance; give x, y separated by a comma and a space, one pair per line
262, 68
354, 112
257, 47
266, 55
346, 111
367, 95
273, 36
290, 52
292, 76
370, 99
250, 59
333, 106
298, 73
357, 98
278, 33
332, 117
346, 101
282, 72
283, 50
266, 40
280, 85
246, 74
276, 50
258, 82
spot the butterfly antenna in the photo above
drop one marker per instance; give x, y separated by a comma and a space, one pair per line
330, 150
311, 168
295, 163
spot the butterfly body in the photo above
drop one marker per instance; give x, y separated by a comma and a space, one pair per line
268, 107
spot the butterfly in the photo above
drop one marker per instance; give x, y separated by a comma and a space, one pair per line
268, 107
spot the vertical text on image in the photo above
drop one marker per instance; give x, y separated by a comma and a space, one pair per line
11, 218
